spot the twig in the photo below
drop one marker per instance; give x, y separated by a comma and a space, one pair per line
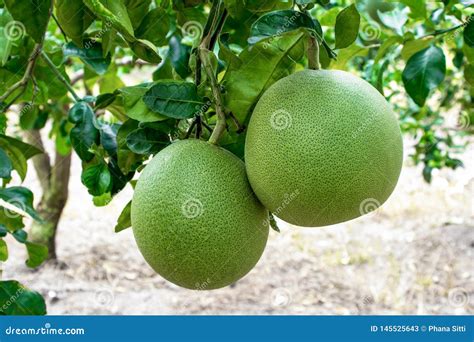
219, 28
205, 49
441, 32
21, 84
190, 130
221, 119
59, 76
240, 127
206, 126
60, 28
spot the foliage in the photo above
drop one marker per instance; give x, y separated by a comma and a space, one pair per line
211, 61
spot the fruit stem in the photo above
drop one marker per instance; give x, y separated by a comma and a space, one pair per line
313, 53
214, 27
216, 92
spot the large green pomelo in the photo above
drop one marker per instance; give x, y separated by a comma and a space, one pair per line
195, 218
323, 147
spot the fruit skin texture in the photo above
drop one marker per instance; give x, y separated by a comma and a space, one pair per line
323, 147
195, 217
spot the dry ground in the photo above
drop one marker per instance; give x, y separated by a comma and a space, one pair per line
413, 256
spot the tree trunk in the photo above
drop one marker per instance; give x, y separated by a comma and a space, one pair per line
54, 181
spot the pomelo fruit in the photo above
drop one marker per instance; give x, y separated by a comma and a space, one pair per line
195, 217
323, 147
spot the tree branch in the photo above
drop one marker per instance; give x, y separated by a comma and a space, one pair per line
21, 84
59, 76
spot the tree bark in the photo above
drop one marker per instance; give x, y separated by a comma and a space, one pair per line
54, 181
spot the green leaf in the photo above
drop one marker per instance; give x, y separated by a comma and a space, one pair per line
145, 50
27, 150
469, 33
5, 165
154, 27
3, 250
347, 54
127, 160
469, 53
102, 200
469, 74
413, 46
3, 230
6, 42
417, 8
424, 71
347, 27
97, 179
108, 137
262, 65
16, 299
17, 159
395, 19
91, 55
21, 198
84, 134
114, 12
33, 14
116, 15
328, 18
273, 223
135, 107
37, 254
74, 18
174, 99
225, 52
137, 9
11, 220
147, 141
20, 235
124, 221
179, 55
276, 23
386, 46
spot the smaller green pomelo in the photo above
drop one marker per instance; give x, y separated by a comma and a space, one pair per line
195, 217
323, 147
